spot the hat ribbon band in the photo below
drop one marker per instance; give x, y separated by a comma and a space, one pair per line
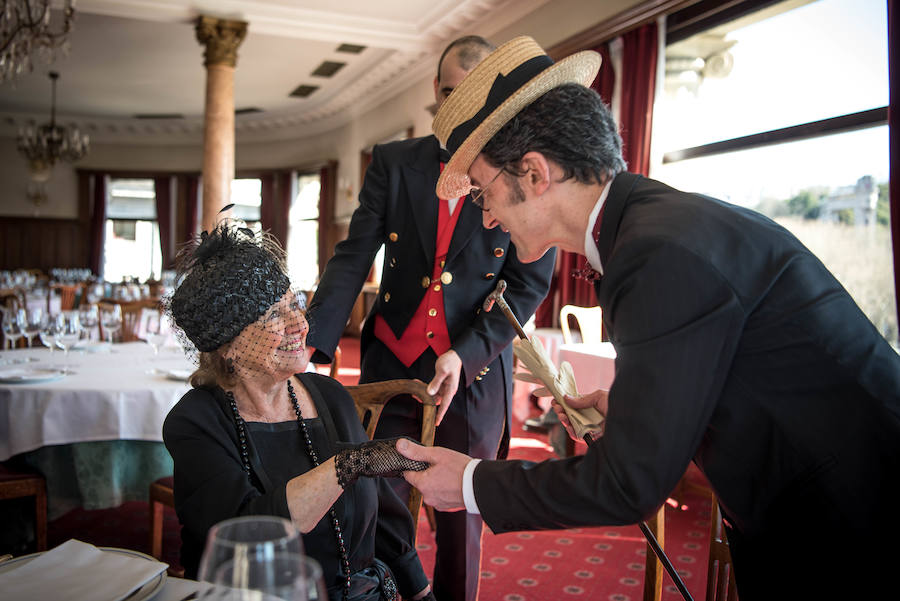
503, 87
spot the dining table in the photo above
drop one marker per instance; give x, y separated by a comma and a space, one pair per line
90, 422
594, 364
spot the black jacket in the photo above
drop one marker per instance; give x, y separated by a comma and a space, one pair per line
738, 349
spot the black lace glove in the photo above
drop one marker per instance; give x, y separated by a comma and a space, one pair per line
373, 458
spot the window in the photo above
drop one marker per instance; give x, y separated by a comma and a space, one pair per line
775, 112
246, 194
131, 248
303, 235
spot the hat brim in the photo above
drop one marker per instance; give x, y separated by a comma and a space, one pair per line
579, 68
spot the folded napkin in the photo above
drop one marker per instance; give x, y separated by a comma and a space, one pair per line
559, 383
78, 571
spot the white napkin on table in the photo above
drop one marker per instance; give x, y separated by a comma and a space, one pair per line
78, 571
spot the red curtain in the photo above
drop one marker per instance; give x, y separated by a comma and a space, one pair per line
639, 54
276, 204
191, 222
894, 142
164, 214
97, 181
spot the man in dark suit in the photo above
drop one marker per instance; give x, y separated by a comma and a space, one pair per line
736, 348
427, 323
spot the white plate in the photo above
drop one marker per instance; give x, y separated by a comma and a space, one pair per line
145, 592
181, 375
27, 375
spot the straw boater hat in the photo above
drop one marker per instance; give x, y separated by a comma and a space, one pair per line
506, 81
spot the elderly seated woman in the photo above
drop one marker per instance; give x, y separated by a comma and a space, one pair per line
257, 435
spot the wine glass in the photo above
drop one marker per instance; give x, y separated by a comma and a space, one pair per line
246, 538
90, 317
48, 333
111, 320
156, 332
68, 333
11, 330
280, 576
30, 321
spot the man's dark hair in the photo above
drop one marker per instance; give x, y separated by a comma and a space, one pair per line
472, 48
569, 125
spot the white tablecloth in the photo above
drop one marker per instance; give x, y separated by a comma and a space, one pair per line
123, 394
594, 365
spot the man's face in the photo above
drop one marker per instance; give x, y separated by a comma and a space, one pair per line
451, 74
508, 205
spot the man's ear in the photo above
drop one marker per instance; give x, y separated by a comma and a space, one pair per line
537, 168
437, 83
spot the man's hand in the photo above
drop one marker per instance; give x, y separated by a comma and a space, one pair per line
441, 483
599, 399
445, 382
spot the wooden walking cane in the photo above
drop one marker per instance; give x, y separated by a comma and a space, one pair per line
496, 297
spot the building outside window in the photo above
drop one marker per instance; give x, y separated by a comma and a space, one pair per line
784, 111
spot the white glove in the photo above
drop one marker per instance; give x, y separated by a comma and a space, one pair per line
558, 382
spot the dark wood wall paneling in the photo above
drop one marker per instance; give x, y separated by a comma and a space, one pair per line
37, 243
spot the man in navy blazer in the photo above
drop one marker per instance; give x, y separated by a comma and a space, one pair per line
736, 349
439, 266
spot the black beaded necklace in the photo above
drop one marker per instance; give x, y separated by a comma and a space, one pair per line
313, 456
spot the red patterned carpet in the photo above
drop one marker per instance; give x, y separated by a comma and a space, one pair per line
579, 564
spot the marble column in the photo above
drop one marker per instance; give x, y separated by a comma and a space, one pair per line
221, 37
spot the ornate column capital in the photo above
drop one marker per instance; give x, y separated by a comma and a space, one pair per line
221, 38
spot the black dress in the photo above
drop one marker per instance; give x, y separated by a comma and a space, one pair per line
211, 485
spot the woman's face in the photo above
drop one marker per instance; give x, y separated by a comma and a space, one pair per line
275, 344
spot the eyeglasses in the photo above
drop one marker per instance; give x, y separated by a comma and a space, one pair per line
477, 193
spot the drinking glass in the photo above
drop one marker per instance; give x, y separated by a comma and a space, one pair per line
90, 317
11, 330
280, 576
157, 331
111, 320
68, 333
29, 321
253, 538
48, 333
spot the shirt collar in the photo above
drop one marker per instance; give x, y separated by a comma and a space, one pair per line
590, 245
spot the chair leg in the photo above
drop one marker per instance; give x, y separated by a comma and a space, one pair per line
156, 528
429, 513
653, 572
40, 518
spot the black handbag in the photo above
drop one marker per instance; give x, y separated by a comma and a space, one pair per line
374, 583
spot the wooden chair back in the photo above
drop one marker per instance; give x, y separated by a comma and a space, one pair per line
370, 400
720, 584
589, 320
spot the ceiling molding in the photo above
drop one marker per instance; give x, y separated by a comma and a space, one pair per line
401, 55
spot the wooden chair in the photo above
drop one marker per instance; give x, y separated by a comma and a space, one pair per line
370, 400
654, 572
720, 585
15, 484
162, 495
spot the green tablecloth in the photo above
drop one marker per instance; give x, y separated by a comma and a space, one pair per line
98, 475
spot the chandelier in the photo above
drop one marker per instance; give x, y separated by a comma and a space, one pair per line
45, 144
24, 28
